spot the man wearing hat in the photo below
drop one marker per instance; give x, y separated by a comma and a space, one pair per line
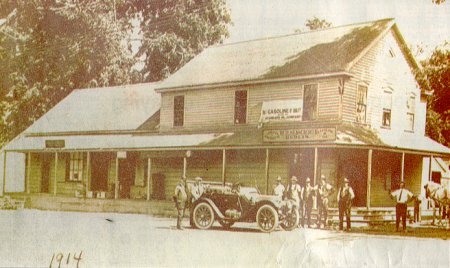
325, 190
345, 198
180, 198
278, 190
293, 192
307, 197
197, 189
402, 197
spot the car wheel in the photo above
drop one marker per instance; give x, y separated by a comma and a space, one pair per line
267, 218
291, 220
226, 223
203, 216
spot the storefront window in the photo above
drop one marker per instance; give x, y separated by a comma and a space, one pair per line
76, 166
309, 102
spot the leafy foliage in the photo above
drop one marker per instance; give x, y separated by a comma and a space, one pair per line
436, 76
315, 24
50, 47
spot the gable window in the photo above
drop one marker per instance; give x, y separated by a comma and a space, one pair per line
240, 107
411, 107
75, 167
309, 102
387, 107
178, 111
361, 104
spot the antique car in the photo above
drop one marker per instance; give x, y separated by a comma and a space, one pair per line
234, 203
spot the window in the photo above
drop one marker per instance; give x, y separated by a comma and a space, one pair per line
75, 166
387, 107
178, 111
240, 107
411, 107
361, 104
309, 102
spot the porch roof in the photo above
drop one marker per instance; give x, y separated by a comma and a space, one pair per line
347, 135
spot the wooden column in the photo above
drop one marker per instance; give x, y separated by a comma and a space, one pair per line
224, 161
149, 174
4, 173
184, 166
402, 178
27, 182
55, 174
315, 175
116, 187
369, 177
267, 170
430, 166
88, 172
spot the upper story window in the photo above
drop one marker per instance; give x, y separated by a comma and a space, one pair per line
361, 104
410, 107
240, 107
387, 108
309, 102
75, 167
178, 111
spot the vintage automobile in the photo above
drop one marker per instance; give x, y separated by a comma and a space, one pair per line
234, 203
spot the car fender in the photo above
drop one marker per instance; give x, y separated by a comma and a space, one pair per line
211, 203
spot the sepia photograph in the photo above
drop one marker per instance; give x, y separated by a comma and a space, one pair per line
224, 133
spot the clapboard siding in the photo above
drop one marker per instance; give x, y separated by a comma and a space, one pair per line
247, 167
203, 104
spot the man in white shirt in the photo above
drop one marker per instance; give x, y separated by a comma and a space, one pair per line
293, 192
279, 188
402, 197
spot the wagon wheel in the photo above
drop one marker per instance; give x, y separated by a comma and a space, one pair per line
291, 220
226, 223
203, 216
267, 218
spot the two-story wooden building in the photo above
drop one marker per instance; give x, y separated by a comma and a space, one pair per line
342, 102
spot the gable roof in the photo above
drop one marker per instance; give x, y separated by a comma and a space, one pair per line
325, 51
100, 109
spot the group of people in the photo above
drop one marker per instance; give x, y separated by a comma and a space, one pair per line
186, 195
303, 198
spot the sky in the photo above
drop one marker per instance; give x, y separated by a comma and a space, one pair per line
420, 21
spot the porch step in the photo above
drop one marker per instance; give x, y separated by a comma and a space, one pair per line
6, 202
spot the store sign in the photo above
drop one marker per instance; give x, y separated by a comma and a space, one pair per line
281, 110
121, 154
55, 144
300, 134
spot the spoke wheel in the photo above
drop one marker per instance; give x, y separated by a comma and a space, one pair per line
267, 218
203, 216
291, 220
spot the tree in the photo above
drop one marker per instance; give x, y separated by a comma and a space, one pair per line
315, 24
50, 47
436, 76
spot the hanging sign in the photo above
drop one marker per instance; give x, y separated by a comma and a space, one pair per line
300, 134
55, 144
281, 111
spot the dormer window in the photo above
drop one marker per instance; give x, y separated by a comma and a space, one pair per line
240, 107
178, 111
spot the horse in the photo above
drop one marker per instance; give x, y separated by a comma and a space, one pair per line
439, 196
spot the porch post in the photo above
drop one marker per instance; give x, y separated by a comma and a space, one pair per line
116, 180
27, 182
430, 167
402, 178
315, 174
55, 173
224, 161
88, 172
267, 170
4, 173
184, 166
369, 177
149, 174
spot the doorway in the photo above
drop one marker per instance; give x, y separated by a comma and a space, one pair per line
99, 172
127, 171
45, 172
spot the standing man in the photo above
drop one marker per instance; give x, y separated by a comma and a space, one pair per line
180, 198
279, 188
324, 190
197, 189
293, 192
345, 198
308, 200
402, 197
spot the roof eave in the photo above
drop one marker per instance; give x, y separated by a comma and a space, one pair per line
253, 82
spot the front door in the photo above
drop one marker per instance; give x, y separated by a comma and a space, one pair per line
127, 168
99, 172
45, 173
